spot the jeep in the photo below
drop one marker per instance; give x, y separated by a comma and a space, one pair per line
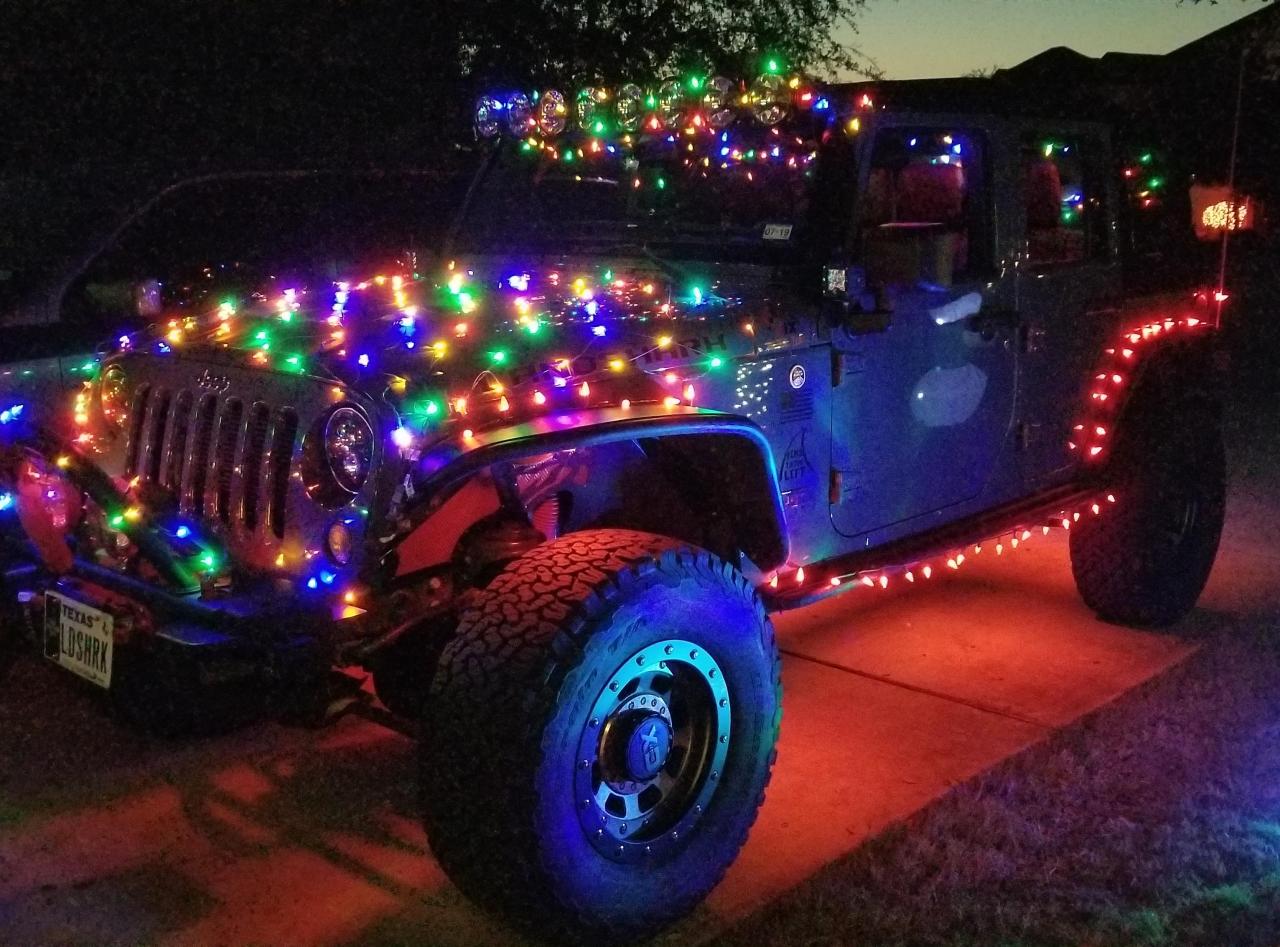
692, 355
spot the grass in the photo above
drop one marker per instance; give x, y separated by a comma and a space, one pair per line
1156, 821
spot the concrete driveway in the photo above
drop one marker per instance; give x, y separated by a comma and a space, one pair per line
280, 836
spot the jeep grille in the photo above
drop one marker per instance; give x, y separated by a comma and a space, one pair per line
222, 458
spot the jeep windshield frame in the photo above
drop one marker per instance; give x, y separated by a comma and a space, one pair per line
653, 203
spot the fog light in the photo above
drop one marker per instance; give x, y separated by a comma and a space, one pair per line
339, 542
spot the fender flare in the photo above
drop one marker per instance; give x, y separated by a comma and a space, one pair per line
1173, 359
451, 466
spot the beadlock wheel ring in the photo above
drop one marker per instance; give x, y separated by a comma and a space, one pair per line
652, 750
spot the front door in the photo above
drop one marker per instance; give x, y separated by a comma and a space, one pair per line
923, 410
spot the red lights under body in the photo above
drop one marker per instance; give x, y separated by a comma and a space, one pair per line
883, 577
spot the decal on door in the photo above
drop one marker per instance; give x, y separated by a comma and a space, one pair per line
947, 397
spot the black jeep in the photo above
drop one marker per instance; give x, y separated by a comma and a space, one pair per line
692, 355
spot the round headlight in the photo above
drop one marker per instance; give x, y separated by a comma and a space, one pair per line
113, 396
348, 448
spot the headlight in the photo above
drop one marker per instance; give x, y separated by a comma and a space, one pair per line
348, 448
113, 396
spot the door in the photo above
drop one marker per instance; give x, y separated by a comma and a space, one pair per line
1068, 290
922, 410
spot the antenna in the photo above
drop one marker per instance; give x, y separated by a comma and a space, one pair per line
1221, 294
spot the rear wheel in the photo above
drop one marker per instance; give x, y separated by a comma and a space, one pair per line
1146, 562
598, 738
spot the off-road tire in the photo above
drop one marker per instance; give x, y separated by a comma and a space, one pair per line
508, 707
1146, 561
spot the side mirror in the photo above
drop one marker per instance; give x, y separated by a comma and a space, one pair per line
850, 304
910, 253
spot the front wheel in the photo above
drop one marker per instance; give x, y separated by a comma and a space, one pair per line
599, 735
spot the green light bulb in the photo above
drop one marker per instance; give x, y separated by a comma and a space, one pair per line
498, 356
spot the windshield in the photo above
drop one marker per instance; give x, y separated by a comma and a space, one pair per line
771, 197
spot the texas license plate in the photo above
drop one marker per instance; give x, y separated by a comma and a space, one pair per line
78, 637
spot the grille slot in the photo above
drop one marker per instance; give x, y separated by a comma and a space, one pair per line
198, 466
286, 432
254, 443
175, 448
224, 458
153, 449
137, 419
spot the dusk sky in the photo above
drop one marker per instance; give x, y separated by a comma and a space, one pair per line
912, 39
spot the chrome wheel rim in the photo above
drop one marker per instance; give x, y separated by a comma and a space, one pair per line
652, 750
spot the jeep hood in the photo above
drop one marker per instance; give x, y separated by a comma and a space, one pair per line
484, 342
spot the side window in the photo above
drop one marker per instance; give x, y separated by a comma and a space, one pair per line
1064, 200
931, 179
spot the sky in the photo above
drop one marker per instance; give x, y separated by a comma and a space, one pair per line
916, 39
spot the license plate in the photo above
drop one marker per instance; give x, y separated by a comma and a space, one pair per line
78, 637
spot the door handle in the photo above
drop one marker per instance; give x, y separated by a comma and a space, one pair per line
993, 322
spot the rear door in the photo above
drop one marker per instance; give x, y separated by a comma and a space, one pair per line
1068, 289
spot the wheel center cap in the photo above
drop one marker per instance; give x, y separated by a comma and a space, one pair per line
648, 747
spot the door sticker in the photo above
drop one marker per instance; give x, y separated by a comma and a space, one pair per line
797, 376
947, 397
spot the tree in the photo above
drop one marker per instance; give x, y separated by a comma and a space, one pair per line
189, 83
519, 40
